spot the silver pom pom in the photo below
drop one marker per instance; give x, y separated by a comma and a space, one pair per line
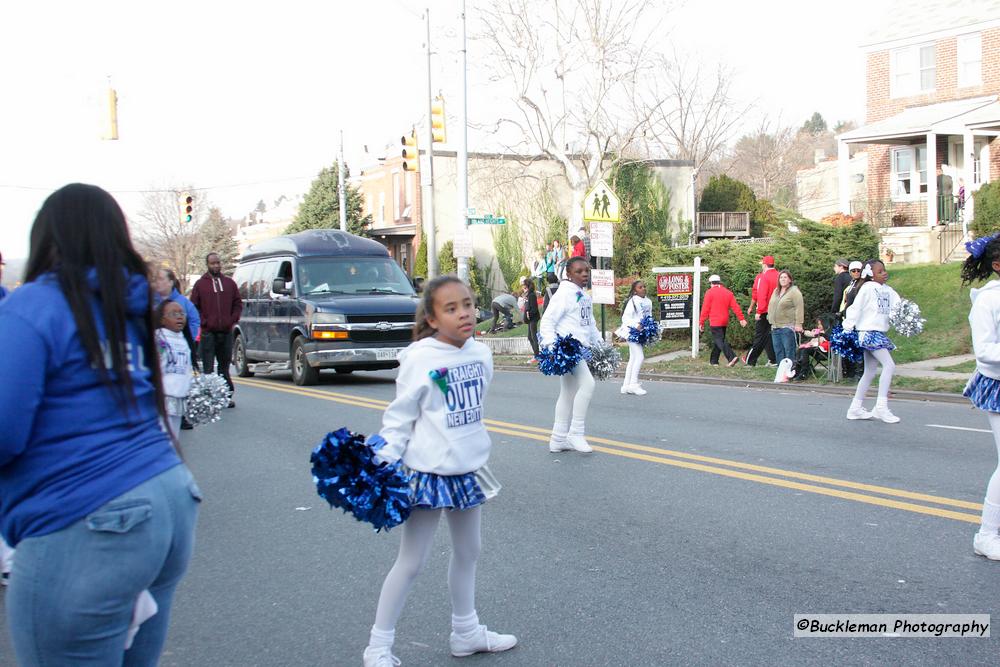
905, 318
604, 360
208, 397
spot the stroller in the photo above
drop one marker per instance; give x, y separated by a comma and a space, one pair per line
813, 350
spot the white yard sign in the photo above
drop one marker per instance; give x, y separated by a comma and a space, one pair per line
603, 286
463, 244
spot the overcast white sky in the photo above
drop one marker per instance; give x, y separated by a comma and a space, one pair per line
247, 98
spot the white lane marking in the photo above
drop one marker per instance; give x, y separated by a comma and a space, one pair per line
961, 428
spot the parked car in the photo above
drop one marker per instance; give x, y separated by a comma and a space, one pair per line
321, 299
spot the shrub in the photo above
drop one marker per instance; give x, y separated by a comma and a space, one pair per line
446, 259
809, 256
420, 261
987, 209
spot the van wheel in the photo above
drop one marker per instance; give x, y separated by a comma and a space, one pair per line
302, 373
240, 358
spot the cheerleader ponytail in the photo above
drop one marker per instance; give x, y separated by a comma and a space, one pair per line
983, 252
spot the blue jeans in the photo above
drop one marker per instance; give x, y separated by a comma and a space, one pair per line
72, 592
783, 340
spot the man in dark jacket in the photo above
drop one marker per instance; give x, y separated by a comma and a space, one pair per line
218, 301
841, 280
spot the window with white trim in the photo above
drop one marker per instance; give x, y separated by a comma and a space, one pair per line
970, 60
909, 172
911, 70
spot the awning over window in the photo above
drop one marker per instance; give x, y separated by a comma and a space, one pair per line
396, 230
914, 123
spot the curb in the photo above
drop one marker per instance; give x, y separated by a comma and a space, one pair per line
906, 395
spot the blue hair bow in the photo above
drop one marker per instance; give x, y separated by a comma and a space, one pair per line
977, 247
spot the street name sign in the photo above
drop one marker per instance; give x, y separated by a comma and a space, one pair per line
487, 219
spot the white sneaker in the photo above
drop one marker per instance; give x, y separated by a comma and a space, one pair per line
859, 413
987, 545
557, 445
380, 657
637, 390
480, 640
882, 412
579, 443
624, 389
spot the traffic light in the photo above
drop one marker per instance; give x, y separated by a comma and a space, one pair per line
437, 120
187, 207
411, 155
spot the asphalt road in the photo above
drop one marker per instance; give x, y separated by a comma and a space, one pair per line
707, 518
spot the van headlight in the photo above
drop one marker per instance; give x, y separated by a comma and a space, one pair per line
329, 318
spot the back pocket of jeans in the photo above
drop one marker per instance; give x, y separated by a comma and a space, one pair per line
120, 517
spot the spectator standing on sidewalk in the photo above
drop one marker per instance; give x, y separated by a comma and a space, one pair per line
715, 308
531, 314
218, 302
841, 279
787, 313
166, 286
763, 285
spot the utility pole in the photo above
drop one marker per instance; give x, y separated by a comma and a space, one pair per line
463, 156
341, 188
427, 174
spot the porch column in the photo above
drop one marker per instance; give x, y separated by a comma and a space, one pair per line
968, 175
843, 175
932, 211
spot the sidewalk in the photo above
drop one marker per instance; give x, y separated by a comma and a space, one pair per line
925, 369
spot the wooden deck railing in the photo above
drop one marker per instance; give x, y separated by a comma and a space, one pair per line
723, 224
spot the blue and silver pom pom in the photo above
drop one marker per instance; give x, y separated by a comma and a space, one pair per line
208, 396
348, 475
845, 343
905, 318
647, 333
604, 360
562, 356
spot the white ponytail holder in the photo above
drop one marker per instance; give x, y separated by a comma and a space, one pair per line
867, 271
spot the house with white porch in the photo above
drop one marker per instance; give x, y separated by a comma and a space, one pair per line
932, 126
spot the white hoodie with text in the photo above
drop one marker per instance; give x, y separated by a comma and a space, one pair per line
984, 318
570, 311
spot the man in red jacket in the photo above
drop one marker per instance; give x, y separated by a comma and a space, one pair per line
765, 283
715, 308
218, 301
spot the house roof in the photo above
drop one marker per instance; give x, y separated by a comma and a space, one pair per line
943, 118
905, 19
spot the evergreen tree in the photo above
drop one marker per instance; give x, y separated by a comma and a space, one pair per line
321, 207
216, 236
815, 126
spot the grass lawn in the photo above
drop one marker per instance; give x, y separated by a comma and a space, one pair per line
937, 289
964, 367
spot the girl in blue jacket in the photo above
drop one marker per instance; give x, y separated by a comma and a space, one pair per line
95, 498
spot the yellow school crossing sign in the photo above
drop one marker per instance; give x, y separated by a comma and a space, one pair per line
601, 204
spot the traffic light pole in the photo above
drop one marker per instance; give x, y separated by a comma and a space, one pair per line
341, 195
427, 176
463, 157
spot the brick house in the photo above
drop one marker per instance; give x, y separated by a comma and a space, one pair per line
931, 126
392, 197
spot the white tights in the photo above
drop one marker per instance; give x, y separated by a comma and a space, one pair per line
414, 548
872, 359
575, 390
991, 505
635, 359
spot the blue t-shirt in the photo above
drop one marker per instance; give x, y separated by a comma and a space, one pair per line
3, 292
68, 444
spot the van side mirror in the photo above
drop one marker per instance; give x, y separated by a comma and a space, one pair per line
278, 286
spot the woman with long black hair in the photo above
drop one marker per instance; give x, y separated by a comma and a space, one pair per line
95, 497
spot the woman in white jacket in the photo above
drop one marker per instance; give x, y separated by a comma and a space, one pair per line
869, 314
637, 306
984, 387
571, 312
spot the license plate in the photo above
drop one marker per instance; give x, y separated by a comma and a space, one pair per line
386, 354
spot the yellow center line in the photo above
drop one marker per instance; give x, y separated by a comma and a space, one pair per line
661, 456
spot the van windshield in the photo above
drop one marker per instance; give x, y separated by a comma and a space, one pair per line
352, 275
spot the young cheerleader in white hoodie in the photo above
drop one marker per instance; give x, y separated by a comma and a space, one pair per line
869, 314
571, 311
637, 306
435, 425
984, 387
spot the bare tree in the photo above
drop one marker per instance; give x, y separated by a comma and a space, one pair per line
575, 67
767, 159
694, 111
164, 238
